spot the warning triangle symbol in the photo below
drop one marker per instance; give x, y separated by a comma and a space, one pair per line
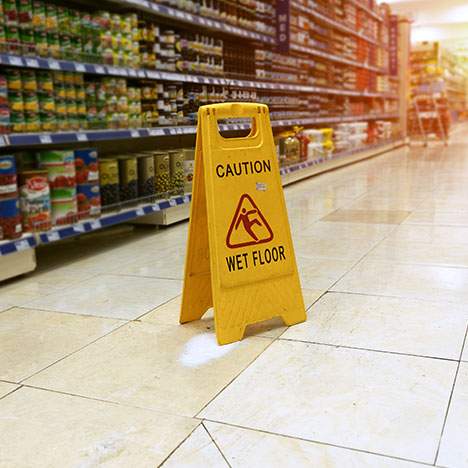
248, 226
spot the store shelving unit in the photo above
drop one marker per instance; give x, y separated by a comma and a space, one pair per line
174, 209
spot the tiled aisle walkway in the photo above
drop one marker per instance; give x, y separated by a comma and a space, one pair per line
95, 370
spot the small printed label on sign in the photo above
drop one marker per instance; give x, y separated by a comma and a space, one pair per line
261, 186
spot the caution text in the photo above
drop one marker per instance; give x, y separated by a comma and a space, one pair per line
243, 168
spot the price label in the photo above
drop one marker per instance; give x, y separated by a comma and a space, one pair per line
53, 64
134, 133
33, 63
99, 69
156, 208
53, 236
2, 142
15, 61
79, 67
45, 139
132, 72
155, 131
140, 212
79, 228
22, 244
82, 137
172, 202
96, 224
141, 73
186, 199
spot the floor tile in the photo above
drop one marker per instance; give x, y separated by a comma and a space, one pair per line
344, 249
177, 369
169, 313
378, 402
32, 340
245, 448
441, 235
425, 253
198, 451
372, 202
381, 216
442, 218
385, 324
453, 449
6, 388
344, 230
123, 297
433, 283
45, 429
320, 272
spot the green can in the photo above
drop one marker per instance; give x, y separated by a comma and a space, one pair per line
17, 121
28, 79
59, 91
51, 18
38, 15
42, 47
48, 121
13, 77
53, 44
31, 103
24, 9
177, 158
46, 103
45, 83
32, 122
15, 100
162, 170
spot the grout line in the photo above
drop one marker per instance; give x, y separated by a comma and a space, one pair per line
369, 349
73, 314
179, 445
138, 319
236, 376
217, 446
450, 398
314, 441
74, 352
12, 391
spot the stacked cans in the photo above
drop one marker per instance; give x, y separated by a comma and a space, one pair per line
60, 166
10, 219
35, 200
4, 107
87, 182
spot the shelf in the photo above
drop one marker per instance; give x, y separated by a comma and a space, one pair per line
334, 58
192, 19
110, 219
135, 213
368, 11
61, 138
26, 241
107, 70
334, 24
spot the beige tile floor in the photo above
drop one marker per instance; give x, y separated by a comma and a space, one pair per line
96, 371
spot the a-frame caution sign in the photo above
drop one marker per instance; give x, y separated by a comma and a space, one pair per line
240, 257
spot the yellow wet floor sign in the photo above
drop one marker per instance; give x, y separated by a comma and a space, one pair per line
240, 257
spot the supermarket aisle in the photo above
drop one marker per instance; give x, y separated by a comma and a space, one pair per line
94, 368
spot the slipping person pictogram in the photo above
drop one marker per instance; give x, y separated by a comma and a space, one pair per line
248, 226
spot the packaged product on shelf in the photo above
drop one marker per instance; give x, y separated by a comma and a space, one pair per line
189, 167
289, 148
10, 218
128, 177
64, 210
8, 178
88, 199
146, 181
60, 167
109, 181
4, 108
176, 161
86, 165
162, 172
35, 200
